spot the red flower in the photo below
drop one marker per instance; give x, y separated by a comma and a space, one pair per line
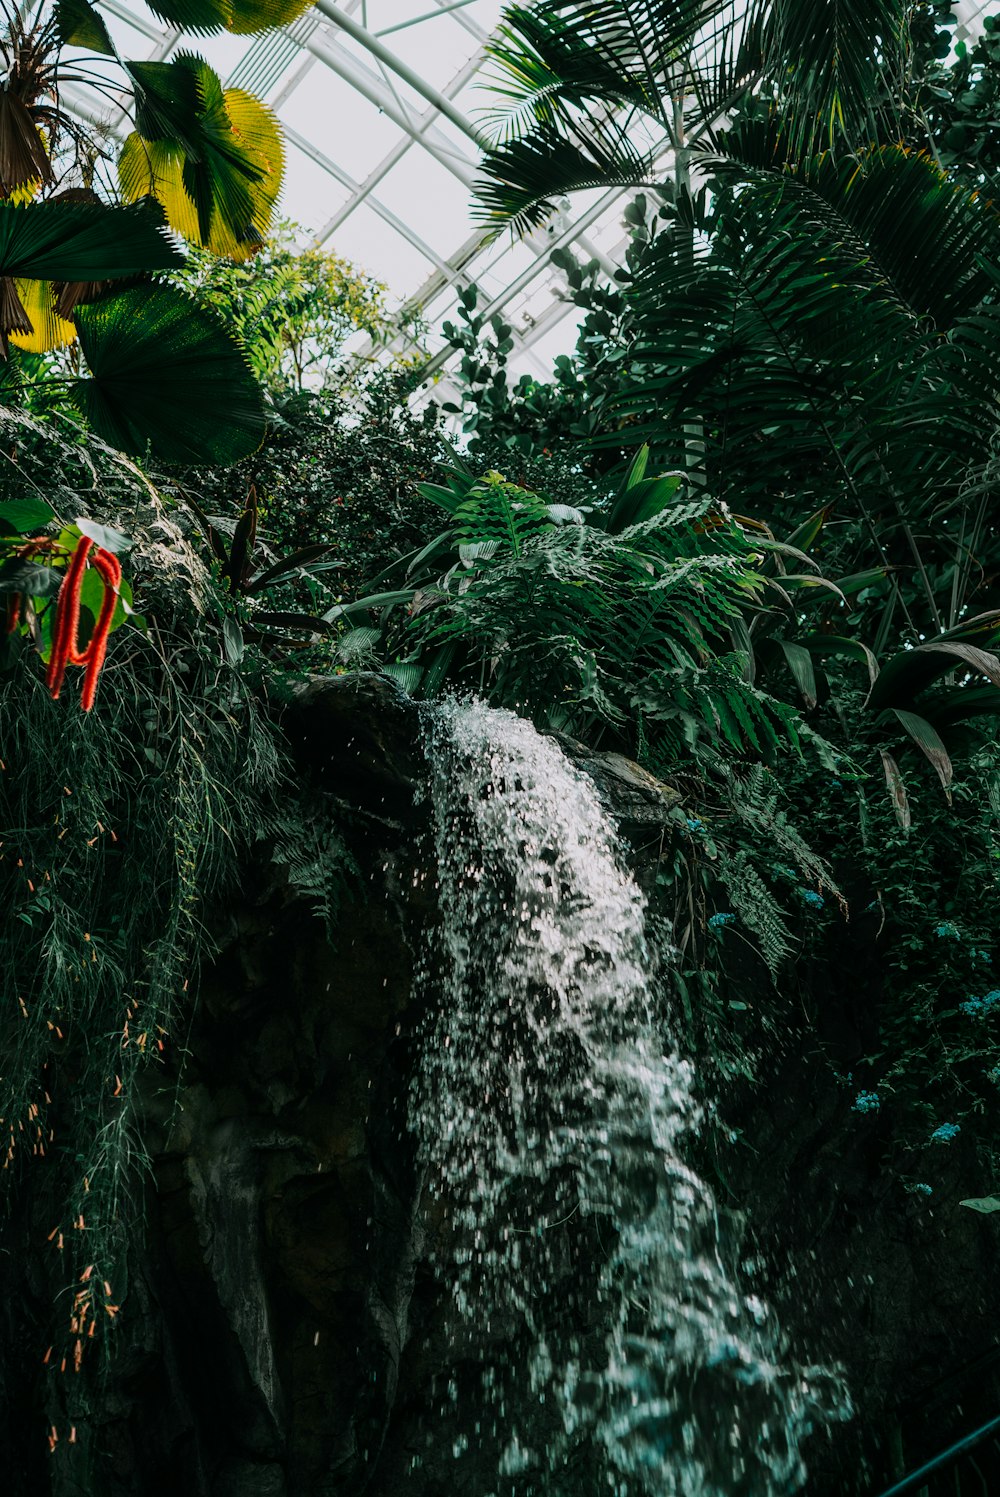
65, 646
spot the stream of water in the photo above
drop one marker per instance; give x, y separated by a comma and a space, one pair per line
610, 1343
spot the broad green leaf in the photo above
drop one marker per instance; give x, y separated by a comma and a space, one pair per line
642, 500
286, 564
984, 627
637, 468
834, 644
406, 675
798, 582
986, 1204
897, 790
104, 536
92, 593
18, 576
910, 671
292, 621
858, 581
22, 515
232, 641
806, 534
202, 17
959, 704
783, 548
249, 16
376, 600
164, 371
438, 494
928, 740
71, 241
800, 664
79, 24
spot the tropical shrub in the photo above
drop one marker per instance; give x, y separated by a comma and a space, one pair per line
293, 310
78, 250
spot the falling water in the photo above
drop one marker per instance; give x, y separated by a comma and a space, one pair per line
591, 1302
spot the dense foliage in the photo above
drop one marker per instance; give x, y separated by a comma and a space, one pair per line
745, 535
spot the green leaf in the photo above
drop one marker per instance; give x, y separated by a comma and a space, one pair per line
806, 534
448, 499
285, 564
203, 17
836, 644
72, 241
642, 499
232, 641
858, 581
405, 675
17, 576
637, 467
79, 24
218, 182
897, 790
798, 582
986, 1204
18, 516
800, 664
911, 671
249, 16
104, 536
928, 740
92, 593
376, 600
164, 371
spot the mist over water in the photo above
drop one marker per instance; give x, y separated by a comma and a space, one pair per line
611, 1346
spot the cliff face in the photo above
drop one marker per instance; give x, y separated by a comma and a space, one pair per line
283, 1334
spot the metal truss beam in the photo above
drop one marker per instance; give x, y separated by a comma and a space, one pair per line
386, 214
423, 124
370, 42
367, 83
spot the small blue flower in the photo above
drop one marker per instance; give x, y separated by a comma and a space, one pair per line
812, 899
945, 1133
716, 922
867, 1102
994, 1075
978, 1008
947, 931
920, 1189
694, 824
836, 785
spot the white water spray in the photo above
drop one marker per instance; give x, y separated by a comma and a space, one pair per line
551, 1110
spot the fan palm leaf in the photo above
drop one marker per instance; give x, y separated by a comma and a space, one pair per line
166, 373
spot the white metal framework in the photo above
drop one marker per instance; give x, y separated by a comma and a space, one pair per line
379, 101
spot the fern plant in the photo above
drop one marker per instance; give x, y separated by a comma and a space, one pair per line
617, 623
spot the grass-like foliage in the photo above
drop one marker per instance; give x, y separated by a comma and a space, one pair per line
118, 825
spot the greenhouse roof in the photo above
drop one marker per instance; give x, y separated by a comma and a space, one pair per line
379, 101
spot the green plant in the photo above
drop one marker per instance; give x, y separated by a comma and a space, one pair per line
595, 94
293, 309
118, 825
615, 622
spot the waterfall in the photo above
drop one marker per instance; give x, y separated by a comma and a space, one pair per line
613, 1348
